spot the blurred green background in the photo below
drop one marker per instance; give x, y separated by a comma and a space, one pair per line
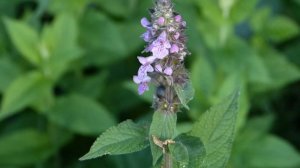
66, 70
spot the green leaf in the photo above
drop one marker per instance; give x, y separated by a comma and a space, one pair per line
179, 154
24, 147
280, 70
104, 40
216, 129
120, 8
241, 10
22, 92
203, 77
255, 148
189, 152
163, 127
25, 39
281, 28
272, 151
80, 114
77, 7
8, 72
185, 93
59, 45
257, 72
127, 137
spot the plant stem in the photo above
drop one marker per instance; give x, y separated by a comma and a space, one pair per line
167, 161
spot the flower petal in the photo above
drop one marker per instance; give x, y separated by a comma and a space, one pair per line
168, 71
178, 18
136, 79
142, 88
161, 21
174, 48
158, 67
145, 22
142, 60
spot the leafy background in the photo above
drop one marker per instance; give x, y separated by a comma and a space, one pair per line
66, 70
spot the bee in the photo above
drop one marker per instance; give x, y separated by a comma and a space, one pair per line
165, 98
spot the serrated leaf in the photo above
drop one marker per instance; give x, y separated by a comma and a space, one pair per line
194, 148
127, 137
22, 92
216, 129
80, 114
179, 155
25, 39
163, 127
24, 147
185, 93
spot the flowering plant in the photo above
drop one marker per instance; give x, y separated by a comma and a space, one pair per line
208, 143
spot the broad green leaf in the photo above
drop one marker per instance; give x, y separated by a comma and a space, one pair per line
80, 114
25, 39
281, 28
216, 129
241, 10
203, 77
23, 91
189, 152
59, 45
272, 151
255, 148
235, 80
259, 19
281, 71
211, 11
8, 72
24, 147
179, 155
185, 93
99, 39
163, 127
257, 71
127, 137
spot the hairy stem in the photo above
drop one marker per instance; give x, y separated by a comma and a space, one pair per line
167, 160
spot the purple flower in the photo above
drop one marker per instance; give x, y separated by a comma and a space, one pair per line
146, 60
160, 47
147, 36
174, 48
160, 21
145, 23
176, 35
178, 18
167, 71
142, 88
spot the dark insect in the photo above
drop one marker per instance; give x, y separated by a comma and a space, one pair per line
161, 91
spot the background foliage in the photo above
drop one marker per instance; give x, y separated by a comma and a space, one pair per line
66, 70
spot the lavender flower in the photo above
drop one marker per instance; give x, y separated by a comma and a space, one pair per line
160, 47
166, 49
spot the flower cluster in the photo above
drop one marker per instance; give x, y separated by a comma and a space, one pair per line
166, 46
